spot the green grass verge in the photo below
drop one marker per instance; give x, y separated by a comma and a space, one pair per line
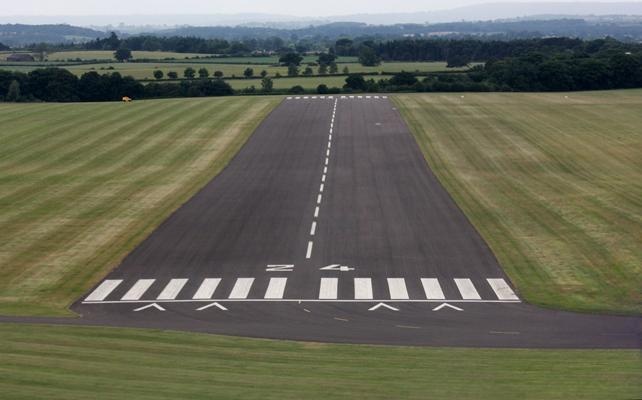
56, 362
553, 182
83, 184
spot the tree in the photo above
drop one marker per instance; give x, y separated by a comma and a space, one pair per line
189, 73
346, 70
368, 57
123, 54
334, 68
326, 59
297, 89
218, 74
41, 51
293, 70
308, 71
266, 84
323, 89
343, 47
112, 42
13, 93
290, 58
203, 73
158, 74
172, 75
355, 82
403, 78
248, 73
264, 73
323, 69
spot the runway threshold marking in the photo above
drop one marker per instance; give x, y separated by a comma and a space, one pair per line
241, 288
328, 288
104, 289
138, 290
207, 288
172, 289
363, 288
501, 289
467, 289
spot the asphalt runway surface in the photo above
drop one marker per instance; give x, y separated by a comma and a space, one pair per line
329, 226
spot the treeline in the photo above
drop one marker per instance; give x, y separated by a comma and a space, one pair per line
60, 85
532, 73
462, 52
182, 44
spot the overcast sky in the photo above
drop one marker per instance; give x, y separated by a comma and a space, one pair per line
313, 8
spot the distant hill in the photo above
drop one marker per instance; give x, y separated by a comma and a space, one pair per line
628, 28
17, 35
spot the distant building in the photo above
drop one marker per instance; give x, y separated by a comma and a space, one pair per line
20, 57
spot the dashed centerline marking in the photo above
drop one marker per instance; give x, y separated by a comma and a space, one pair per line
308, 253
313, 229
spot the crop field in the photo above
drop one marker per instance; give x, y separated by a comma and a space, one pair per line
553, 182
109, 55
106, 363
82, 184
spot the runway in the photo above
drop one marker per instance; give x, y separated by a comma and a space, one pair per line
329, 226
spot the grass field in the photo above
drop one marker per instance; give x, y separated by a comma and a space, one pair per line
82, 184
553, 182
106, 363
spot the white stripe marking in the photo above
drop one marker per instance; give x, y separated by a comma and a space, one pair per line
328, 288
397, 288
316, 212
103, 290
319, 198
321, 188
313, 229
327, 153
502, 290
323, 178
289, 98
275, 288
241, 288
139, 288
467, 289
172, 289
207, 288
325, 170
308, 253
363, 288
329, 143
432, 289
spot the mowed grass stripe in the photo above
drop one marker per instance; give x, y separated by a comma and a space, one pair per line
107, 363
86, 206
146, 149
93, 156
551, 183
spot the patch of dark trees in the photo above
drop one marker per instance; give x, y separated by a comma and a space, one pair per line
462, 52
60, 85
530, 73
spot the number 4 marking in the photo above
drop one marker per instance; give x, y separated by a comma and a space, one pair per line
337, 267
279, 268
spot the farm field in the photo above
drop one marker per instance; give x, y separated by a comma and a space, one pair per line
56, 362
553, 184
77, 196
146, 70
